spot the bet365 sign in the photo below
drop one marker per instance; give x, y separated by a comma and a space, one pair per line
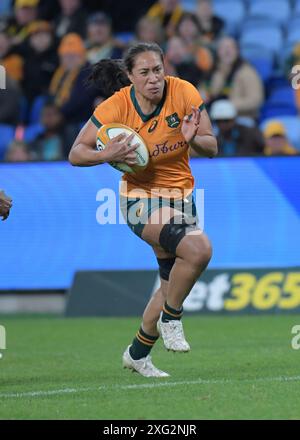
257, 290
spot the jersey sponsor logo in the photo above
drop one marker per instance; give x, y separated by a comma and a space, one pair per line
173, 120
153, 126
164, 148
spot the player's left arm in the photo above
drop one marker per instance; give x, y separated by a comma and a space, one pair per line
197, 130
196, 126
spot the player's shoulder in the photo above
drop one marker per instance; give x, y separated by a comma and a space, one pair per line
176, 83
183, 92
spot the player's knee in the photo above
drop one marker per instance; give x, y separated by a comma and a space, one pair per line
198, 251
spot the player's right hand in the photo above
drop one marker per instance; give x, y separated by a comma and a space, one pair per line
5, 205
119, 149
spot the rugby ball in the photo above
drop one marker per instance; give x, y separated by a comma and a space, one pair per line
109, 131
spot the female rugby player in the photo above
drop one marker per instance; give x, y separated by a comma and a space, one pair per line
157, 202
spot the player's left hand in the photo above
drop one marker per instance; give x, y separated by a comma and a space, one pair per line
190, 124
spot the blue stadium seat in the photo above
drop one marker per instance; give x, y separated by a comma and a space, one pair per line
297, 7
254, 23
292, 125
294, 23
254, 51
272, 110
284, 55
283, 95
232, 11
272, 9
32, 131
125, 37
189, 5
5, 8
269, 38
293, 36
7, 133
264, 68
261, 58
36, 109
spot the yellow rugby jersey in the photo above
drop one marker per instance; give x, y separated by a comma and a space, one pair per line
168, 166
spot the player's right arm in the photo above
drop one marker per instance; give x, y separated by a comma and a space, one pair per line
84, 154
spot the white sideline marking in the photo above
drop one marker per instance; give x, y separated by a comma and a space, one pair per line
147, 385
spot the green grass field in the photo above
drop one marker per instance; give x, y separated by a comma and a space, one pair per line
239, 368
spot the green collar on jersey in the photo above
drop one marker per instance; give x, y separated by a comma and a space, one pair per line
156, 112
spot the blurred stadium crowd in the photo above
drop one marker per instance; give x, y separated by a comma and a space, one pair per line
238, 53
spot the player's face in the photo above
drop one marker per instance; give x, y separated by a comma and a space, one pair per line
147, 76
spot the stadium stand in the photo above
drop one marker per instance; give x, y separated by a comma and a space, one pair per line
266, 32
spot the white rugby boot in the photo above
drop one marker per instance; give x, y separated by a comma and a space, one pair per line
173, 336
143, 366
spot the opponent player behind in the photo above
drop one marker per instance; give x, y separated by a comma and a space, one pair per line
170, 116
5, 205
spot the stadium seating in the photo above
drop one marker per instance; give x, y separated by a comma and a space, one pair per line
293, 36
125, 37
231, 11
297, 7
5, 7
188, 5
268, 38
275, 9
292, 125
31, 132
7, 133
262, 60
36, 109
251, 23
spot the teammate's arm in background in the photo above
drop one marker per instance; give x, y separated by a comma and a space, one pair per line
5, 205
83, 152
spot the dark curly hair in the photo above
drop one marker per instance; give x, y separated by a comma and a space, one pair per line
109, 76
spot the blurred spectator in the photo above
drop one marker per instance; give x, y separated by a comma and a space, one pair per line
149, 30
68, 85
48, 10
124, 14
71, 19
189, 30
100, 43
180, 62
168, 12
235, 79
50, 144
210, 25
10, 102
9, 59
276, 141
26, 11
18, 151
41, 59
234, 139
